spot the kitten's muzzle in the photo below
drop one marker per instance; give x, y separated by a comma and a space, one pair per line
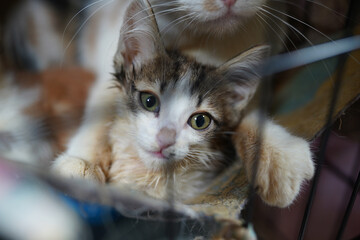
229, 3
166, 137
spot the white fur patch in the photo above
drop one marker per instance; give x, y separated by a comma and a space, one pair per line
176, 107
25, 143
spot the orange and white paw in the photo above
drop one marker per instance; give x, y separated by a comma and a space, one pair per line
74, 167
235, 230
282, 170
285, 161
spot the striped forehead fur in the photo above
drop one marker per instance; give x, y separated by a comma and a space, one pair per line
167, 70
174, 70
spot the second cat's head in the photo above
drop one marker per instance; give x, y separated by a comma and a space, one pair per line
207, 16
180, 110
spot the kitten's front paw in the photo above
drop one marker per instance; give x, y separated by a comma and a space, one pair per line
283, 166
234, 229
77, 168
285, 161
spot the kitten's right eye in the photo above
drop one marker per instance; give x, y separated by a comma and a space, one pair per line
150, 102
199, 121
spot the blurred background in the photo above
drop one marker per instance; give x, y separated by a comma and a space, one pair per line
58, 110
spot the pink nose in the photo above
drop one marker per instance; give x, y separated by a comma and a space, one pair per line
229, 3
166, 137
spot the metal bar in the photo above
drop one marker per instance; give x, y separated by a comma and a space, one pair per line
348, 43
323, 144
170, 214
342, 176
265, 99
263, 106
350, 205
301, 57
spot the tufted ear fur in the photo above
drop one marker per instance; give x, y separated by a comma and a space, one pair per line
140, 39
242, 75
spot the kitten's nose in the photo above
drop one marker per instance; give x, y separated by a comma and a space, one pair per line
229, 3
166, 137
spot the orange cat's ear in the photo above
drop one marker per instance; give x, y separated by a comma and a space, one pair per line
242, 76
140, 39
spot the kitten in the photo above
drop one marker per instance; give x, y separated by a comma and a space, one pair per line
32, 37
214, 31
98, 43
198, 42
22, 136
211, 31
168, 116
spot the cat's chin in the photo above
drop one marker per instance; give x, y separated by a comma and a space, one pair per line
153, 160
222, 25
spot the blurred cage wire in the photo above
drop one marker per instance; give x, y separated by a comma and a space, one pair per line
306, 56
341, 49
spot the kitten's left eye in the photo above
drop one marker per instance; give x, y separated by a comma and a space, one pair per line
199, 121
150, 102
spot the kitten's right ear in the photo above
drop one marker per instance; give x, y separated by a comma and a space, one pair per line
242, 75
140, 39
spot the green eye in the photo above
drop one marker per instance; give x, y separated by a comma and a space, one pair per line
199, 121
150, 102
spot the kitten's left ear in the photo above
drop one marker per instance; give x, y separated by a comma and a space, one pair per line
140, 39
242, 76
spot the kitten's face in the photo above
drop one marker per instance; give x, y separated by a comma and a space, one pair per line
179, 111
212, 16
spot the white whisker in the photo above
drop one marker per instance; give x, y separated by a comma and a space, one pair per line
177, 22
274, 31
83, 24
287, 24
326, 7
298, 20
80, 11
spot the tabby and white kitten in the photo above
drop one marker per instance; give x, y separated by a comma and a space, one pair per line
285, 161
278, 181
170, 115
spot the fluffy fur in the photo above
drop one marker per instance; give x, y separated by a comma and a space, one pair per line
213, 37
211, 31
159, 152
22, 137
32, 37
214, 31
284, 160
